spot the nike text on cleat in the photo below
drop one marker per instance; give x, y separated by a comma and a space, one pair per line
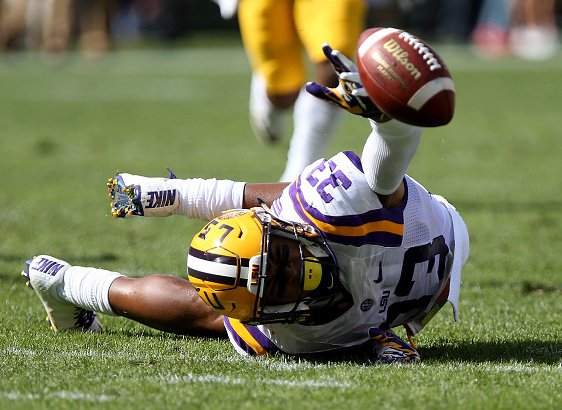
391, 349
125, 199
45, 275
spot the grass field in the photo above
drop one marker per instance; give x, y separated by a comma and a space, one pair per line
64, 129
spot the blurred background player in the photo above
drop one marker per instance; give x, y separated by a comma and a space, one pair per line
524, 28
490, 35
282, 38
533, 34
51, 26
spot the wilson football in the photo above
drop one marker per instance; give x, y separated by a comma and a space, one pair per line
405, 77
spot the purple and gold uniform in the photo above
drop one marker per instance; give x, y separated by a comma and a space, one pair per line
274, 33
400, 265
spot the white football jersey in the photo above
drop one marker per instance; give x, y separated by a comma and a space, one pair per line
396, 263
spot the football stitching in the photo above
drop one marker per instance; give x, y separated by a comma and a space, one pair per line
422, 49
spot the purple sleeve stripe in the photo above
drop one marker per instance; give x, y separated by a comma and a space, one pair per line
249, 338
374, 238
276, 207
355, 160
235, 338
263, 341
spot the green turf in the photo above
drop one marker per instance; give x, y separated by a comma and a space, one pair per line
66, 128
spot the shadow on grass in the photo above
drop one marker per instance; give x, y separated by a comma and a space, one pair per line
154, 334
441, 352
547, 352
477, 352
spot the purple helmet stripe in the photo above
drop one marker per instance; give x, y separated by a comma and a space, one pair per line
225, 280
261, 339
210, 277
213, 257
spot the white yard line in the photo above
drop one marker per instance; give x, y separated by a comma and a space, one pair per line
217, 379
191, 378
60, 394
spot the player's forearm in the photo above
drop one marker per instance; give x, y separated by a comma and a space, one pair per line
267, 192
208, 198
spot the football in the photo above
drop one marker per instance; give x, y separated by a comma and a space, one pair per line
405, 77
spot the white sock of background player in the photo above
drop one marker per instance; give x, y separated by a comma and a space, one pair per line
314, 126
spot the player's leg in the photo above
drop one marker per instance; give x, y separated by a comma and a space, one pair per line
274, 52
338, 22
93, 22
12, 22
57, 22
228, 8
71, 296
166, 303
534, 34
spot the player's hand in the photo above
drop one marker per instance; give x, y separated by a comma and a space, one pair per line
350, 93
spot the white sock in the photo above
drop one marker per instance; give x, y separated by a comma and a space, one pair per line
314, 125
268, 122
208, 198
88, 288
387, 154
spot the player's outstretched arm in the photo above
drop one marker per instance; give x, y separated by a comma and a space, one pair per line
350, 93
135, 195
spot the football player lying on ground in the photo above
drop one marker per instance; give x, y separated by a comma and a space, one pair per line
351, 249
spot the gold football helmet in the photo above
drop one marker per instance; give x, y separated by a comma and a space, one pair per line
228, 266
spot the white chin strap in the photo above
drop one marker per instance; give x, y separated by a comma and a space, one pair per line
285, 308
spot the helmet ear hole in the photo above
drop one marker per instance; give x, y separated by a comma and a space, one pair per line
257, 273
312, 273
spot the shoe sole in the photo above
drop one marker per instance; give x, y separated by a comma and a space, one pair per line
125, 199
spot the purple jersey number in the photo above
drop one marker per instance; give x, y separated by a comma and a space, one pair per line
335, 178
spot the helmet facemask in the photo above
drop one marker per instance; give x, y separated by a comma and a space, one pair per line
319, 273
